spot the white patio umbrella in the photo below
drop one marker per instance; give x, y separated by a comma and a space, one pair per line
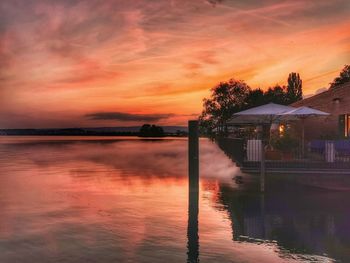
302, 113
267, 113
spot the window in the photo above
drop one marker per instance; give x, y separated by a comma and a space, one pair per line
344, 125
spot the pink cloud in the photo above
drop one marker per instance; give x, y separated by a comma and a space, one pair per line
141, 56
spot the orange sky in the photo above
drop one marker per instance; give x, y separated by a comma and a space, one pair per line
154, 61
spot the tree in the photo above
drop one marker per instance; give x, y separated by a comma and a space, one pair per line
255, 98
294, 88
344, 77
148, 130
277, 94
233, 96
206, 124
226, 98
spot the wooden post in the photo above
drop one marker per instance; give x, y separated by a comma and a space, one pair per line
193, 181
193, 155
262, 209
262, 168
303, 138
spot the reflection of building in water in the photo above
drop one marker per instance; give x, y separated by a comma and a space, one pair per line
253, 227
310, 224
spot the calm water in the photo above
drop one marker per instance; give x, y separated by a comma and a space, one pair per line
126, 200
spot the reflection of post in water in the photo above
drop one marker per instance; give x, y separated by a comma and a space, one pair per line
262, 210
193, 191
192, 229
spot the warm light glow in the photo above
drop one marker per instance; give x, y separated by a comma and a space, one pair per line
281, 129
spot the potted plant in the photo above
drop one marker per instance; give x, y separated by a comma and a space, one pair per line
287, 144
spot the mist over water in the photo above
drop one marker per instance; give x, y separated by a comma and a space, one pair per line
126, 200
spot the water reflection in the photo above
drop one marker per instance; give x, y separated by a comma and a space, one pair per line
193, 193
149, 157
308, 222
122, 200
192, 229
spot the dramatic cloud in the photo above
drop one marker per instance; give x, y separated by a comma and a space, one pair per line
214, 2
122, 116
61, 59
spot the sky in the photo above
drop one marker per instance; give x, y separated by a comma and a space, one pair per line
91, 63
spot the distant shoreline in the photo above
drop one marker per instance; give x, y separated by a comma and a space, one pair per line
134, 131
91, 135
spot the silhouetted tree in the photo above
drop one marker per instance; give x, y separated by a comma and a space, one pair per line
233, 96
148, 130
206, 124
226, 98
294, 88
277, 94
343, 77
255, 98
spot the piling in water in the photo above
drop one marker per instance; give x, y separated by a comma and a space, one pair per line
192, 229
193, 155
193, 193
262, 168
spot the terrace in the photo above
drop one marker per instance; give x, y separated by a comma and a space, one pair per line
272, 136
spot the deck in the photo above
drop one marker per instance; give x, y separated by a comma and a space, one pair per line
234, 149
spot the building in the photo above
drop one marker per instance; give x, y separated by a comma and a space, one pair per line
335, 101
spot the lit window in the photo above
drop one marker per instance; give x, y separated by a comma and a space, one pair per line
346, 120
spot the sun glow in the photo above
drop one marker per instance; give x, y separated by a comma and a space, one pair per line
64, 60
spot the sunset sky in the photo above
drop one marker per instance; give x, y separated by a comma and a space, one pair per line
70, 63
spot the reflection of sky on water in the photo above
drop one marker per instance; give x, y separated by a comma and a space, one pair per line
151, 158
126, 200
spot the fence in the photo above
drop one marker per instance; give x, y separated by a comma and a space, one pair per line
233, 148
328, 151
334, 151
318, 155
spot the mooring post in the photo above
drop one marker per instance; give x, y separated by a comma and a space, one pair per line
193, 190
262, 168
262, 210
193, 155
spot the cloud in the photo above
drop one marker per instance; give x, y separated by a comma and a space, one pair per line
320, 90
122, 116
214, 2
71, 56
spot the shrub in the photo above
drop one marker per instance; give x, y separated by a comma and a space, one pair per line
286, 143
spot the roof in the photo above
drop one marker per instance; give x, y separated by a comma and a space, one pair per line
305, 111
332, 93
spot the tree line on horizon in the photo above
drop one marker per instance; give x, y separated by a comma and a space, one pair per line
234, 95
148, 130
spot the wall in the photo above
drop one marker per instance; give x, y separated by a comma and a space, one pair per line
336, 102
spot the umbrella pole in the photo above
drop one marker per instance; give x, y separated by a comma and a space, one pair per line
303, 139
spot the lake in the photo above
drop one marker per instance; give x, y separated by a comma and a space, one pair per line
119, 199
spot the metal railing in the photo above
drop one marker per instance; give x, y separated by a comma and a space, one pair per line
318, 154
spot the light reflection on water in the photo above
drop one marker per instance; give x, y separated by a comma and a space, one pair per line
126, 200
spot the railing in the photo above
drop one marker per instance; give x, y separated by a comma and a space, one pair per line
333, 151
233, 148
317, 155
329, 151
